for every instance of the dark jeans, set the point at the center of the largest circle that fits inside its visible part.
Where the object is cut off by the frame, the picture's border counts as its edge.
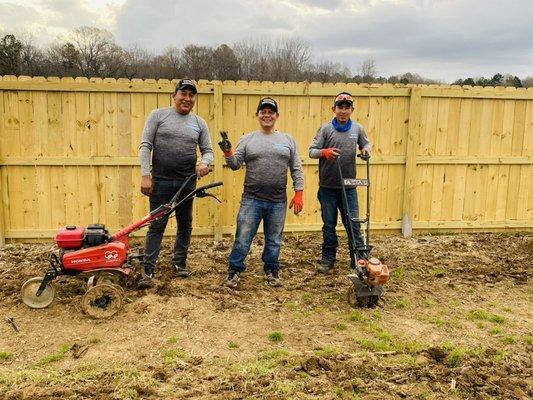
(251, 212)
(330, 202)
(162, 192)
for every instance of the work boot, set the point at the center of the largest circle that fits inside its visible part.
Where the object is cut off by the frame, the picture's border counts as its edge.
(181, 270)
(233, 279)
(273, 278)
(325, 267)
(146, 282)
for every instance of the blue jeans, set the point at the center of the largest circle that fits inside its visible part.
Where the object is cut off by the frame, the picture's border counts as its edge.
(251, 212)
(162, 192)
(330, 202)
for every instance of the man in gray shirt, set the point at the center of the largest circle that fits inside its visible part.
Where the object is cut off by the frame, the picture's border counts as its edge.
(170, 139)
(336, 142)
(267, 154)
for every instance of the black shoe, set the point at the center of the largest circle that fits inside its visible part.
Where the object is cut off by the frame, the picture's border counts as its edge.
(146, 282)
(233, 279)
(181, 270)
(273, 278)
(325, 267)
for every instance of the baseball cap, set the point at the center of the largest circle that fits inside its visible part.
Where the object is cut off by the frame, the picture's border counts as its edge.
(343, 98)
(267, 102)
(186, 83)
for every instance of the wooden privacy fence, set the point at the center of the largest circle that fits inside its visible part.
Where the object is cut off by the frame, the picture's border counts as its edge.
(444, 158)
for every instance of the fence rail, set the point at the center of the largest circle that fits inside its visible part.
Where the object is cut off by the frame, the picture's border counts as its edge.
(444, 157)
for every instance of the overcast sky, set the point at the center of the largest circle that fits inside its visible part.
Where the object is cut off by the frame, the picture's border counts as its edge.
(439, 39)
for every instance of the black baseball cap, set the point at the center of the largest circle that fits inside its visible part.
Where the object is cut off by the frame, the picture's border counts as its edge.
(267, 102)
(186, 83)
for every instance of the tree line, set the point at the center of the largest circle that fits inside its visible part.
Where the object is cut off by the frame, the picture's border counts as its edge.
(94, 52)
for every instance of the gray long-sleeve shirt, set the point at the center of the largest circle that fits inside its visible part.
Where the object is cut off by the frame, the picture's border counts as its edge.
(267, 157)
(171, 139)
(327, 136)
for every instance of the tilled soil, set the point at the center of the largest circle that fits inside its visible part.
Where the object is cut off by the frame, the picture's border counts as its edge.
(454, 323)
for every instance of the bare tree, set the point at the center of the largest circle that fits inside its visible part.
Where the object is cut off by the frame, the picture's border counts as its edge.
(367, 69)
(197, 62)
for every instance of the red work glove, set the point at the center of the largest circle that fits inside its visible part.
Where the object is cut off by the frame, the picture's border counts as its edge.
(330, 154)
(297, 201)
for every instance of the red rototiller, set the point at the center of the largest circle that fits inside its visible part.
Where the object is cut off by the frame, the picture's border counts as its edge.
(101, 259)
(370, 274)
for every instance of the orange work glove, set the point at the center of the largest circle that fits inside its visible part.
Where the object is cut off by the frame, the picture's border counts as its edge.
(297, 201)
(330, 154)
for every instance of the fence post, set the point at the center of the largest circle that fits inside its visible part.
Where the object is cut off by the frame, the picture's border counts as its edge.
(410, 160)
(218, 163)
(2, 205)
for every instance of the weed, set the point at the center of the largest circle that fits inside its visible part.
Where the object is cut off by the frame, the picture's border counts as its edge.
(169, 355)
(509, 339)
(326, 351)
(356, 315)
(455, 357)
(172, 340)
(500, 356)
(275, 337)
(57, 356)
(477, 314)
(5, 356)
(341, 327)
(481, 325)
(497, 319)
(439, 321)
(95, 340)
(429, 302)
(440, 272)
(233, 345)
(495, 331)
(398, 274)
(307, 297)
(291, 306)
(403, 303)
(528, 339)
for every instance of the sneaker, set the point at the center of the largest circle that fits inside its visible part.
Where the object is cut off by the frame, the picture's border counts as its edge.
(233, 279)
(146, 282)
(273, 278)
(181, 270)
(325, 267)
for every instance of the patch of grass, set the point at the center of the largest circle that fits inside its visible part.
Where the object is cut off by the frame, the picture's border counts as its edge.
(268, 361)
(440, 272)
(398, 274)
(356, 315)
(57, 356)
(497, 319)
(5, 356)
(95, 340)
(509, 339)
(333, 297)
(403, 303)
(170, 355)
(340, 393)
(341, 327)
(455, 357)
(291, 306)
(326, 351)
(439, 321)
(233, 345)
(528, 339)
(495, 331)
(477, 314)
(429, 302)
(500, 355)
(275, 337)
(307, 297)
(481, 325)
(172, 340)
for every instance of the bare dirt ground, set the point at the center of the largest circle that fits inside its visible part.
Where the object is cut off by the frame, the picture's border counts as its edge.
(455, 323)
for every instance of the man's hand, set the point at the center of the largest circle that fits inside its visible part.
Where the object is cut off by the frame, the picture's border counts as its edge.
(201, 170)
(297, 201)
(146, 185)
(330, 154)
(225, 144)
(365, 155)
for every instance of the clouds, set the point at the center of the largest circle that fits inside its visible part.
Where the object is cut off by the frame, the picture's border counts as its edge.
(440, 39)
